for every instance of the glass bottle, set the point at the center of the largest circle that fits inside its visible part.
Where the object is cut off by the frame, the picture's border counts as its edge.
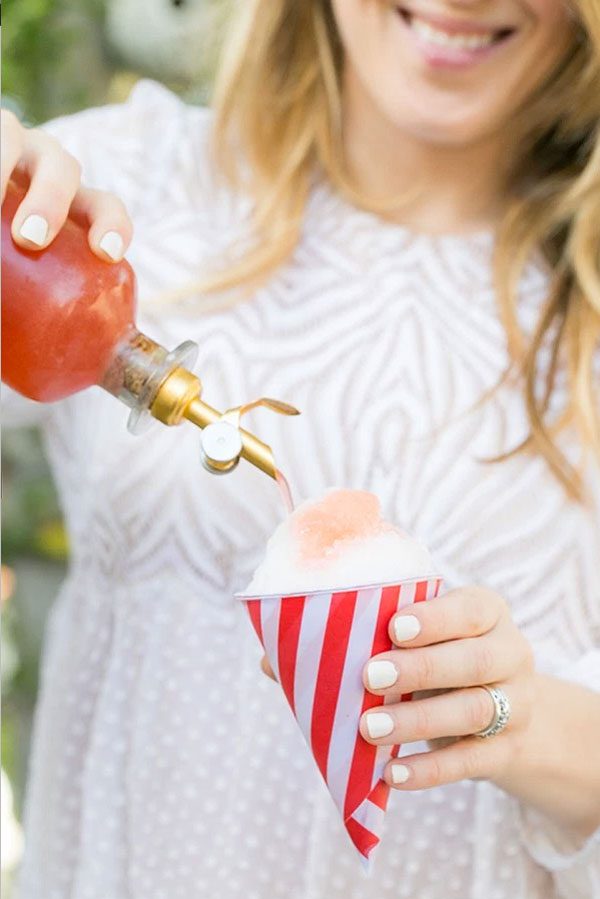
(68, 322)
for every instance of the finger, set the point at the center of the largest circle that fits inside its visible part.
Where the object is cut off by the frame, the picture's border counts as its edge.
(55, 179)
(465, 612)
(458, 663)
(110, 228)
(266, 668)
(465, 759)
(12, 147)
(456, 713)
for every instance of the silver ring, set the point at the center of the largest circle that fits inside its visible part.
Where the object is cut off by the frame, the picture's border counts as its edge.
(501, 715)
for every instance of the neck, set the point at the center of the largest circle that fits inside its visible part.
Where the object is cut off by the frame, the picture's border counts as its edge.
(441, 188)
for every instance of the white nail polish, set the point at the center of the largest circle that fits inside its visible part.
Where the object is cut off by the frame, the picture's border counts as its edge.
(379, 724)
(406, 627)
(381, 674)
(112, 245)
(400, 774)
(35, 230)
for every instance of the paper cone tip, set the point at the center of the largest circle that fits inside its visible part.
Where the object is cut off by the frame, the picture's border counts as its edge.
(317, 645)
(367, 865)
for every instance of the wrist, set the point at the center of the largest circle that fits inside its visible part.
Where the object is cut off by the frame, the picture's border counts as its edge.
(552, 768)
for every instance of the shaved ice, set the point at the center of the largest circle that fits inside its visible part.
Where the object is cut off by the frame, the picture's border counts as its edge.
(338, 541)
(334, 574)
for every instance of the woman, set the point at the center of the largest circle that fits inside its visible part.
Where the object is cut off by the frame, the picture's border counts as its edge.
(164, 762)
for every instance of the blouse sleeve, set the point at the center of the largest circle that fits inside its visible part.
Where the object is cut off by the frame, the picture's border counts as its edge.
(17, 411)
(574, 863)
(134, 149)
(130, 149)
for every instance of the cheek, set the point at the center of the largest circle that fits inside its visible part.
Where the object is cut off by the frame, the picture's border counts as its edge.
(363, 26)
(367, 30)
(554, 29)
(547, 12)
(551, 40)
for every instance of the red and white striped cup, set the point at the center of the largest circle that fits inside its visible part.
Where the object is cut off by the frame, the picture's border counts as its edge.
(317, 645)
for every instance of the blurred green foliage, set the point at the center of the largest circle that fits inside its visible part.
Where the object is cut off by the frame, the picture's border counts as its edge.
(34, 545)
(28, 43)
(30, 512)
(43, 42)
(55, 61)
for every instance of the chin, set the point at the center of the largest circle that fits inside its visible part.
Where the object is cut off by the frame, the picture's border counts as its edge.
(445, 124)
(451, 134)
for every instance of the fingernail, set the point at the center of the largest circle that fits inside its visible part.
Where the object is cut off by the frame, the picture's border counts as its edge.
(379, 724)
(381, 674)
(112, 245)
(406, 627)
(400, 774)
(35, 230)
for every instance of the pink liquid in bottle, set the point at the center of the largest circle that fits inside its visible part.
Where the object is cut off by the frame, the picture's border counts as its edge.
(64, 311)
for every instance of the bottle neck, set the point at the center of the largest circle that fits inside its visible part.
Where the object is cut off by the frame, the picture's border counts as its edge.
(137, 369)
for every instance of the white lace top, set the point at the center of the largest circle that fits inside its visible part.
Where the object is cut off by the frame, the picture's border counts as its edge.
(165, 764)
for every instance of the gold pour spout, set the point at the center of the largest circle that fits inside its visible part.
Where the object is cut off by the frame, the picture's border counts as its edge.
(155, 382)
(223, 441)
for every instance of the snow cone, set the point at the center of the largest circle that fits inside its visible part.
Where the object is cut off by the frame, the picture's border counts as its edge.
(333, 575)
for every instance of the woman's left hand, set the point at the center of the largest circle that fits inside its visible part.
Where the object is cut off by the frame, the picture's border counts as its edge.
(453, 644)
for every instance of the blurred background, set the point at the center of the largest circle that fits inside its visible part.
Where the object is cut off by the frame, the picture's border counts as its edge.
(60, 56)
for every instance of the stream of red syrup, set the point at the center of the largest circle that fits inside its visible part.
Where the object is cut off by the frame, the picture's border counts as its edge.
(285, 492)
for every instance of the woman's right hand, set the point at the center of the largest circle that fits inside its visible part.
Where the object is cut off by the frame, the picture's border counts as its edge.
(54, 190)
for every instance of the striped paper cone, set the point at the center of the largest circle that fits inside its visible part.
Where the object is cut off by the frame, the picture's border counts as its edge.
(317, 645)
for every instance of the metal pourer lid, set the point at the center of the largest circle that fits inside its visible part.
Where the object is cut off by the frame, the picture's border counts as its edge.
(221, 443)
(220, 447)
(155, 382)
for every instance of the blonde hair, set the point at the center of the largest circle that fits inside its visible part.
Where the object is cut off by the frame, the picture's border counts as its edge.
(278, 98)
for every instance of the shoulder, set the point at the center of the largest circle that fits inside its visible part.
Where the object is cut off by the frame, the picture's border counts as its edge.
(150, 110)
(148, 146)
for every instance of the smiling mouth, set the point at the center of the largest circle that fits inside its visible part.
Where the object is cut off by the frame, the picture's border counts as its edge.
(449, 35)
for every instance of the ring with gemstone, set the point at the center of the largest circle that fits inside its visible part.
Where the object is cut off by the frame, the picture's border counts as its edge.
(501, 714)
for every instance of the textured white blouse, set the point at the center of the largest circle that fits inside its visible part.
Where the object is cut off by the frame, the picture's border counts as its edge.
(165, 765)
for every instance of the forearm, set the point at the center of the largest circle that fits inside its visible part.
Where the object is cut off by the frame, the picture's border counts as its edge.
(558, 768)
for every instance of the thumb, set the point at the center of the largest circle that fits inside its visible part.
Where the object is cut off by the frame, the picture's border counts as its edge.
(266, 668)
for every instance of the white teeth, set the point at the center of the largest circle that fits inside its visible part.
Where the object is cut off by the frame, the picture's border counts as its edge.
(443, 39)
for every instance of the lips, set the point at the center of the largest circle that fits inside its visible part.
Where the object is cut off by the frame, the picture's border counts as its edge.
(452, 33)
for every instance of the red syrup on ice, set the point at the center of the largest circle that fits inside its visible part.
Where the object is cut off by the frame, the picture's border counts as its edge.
(284, 490)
